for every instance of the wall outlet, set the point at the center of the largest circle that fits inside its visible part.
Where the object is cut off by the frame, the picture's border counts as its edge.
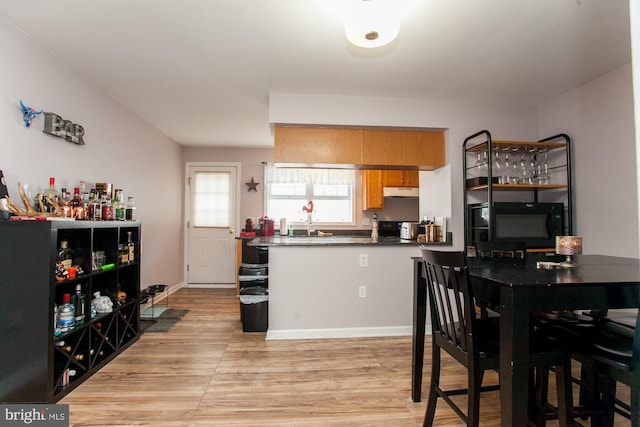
(362, 292)
(364, 260)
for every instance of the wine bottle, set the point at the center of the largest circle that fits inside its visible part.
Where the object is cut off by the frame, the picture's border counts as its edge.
(79, 305)
(66, 316)
(131, 248)
(130, 210)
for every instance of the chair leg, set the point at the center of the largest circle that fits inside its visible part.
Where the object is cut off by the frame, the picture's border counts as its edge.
(608, 388)
(565, 393)
(473, 397)
(539, 410)
(433, 384)
(635, 406)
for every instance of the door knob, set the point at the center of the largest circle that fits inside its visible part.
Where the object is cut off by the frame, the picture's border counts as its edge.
(231, 231)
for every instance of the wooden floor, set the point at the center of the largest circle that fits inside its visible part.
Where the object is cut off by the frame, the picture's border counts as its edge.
(207, 372)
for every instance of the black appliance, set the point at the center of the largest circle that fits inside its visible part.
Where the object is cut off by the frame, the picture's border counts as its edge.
(389, 228)
(535, 224)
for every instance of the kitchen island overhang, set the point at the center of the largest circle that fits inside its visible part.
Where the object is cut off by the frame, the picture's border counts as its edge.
(315, 286)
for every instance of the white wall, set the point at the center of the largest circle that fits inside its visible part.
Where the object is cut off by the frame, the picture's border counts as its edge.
(600, 121)
(314, 291)
(120, 148)
(635, 60)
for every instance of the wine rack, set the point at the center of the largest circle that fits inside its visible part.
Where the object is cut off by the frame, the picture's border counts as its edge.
(41, 367)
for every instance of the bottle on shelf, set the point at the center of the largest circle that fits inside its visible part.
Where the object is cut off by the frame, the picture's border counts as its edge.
(108, 211)
(78, 205)
(119, 205)
(66, 314)
(79, 305)
(130, 210)
(65, 204)
(131, 248)
(95, 206)
(52, 193)
(65, 256)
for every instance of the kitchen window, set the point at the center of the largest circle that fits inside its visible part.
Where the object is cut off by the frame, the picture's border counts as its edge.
(332, 192)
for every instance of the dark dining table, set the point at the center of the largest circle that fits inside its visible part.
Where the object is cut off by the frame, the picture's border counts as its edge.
(518, 288)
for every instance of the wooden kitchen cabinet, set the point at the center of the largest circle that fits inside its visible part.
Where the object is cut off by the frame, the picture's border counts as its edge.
(400, 178)
(391, 147)
(372, 198)
(359, 147)
(317, 145)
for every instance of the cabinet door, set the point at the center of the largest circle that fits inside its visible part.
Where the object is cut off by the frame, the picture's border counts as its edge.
(400, 178)
(403, 148)
(412, 179)
(372, 198)
(393, 178)
(317, 145)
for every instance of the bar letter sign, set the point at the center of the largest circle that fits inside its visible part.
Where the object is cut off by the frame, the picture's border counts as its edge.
(57, 126)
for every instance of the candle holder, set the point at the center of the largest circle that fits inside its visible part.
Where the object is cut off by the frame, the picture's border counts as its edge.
(569, 246)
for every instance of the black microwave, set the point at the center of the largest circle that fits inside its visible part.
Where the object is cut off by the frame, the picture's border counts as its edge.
(535, 224)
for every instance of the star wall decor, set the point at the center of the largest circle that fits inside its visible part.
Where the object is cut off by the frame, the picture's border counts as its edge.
(252, 185)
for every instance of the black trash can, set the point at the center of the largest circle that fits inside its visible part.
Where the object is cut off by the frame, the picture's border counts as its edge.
(254, 307)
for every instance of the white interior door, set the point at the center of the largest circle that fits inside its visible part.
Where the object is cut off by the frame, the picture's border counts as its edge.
(212, 215)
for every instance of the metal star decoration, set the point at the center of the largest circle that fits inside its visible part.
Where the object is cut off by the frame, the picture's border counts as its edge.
(252, 185)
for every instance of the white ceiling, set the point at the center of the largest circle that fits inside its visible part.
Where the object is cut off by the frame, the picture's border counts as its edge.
(201, 71)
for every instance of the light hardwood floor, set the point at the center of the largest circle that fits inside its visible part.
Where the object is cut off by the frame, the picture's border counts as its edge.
(207, 372)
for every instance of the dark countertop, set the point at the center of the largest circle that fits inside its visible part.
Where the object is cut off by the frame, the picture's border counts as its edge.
(337, 241)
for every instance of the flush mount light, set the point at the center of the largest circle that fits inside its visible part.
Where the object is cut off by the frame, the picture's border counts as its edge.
(372, 23)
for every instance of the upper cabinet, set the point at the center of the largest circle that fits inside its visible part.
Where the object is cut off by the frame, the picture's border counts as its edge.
(316, 145)
(390, 147)
(361, 148)
(400, 178)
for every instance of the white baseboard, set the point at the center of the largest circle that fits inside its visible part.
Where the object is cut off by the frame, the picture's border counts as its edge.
(300, 334)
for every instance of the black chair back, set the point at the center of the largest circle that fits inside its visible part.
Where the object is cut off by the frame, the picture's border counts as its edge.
(450, 298)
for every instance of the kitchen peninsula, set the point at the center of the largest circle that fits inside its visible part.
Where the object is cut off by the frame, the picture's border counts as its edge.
(340, 286)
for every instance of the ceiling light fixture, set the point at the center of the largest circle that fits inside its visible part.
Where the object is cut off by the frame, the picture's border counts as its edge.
(372, 23)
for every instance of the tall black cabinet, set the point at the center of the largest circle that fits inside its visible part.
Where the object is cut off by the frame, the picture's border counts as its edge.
(36, 365)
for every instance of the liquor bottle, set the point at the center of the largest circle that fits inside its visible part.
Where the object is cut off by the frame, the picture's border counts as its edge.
(65, 204)
(79, 305)
(130, 210)
(79, 211)
(51, 192)
(95, 207)
(66, 314)
(108, 213)
(119, 205)
(64, 254)
(131, 248)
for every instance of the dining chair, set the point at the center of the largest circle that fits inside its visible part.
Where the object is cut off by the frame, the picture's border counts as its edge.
(613, 350)
(608, 349)
(475, 342)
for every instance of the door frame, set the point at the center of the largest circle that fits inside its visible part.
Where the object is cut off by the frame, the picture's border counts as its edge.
(185, 213)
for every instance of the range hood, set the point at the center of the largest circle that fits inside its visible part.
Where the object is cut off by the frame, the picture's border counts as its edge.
(406, 192)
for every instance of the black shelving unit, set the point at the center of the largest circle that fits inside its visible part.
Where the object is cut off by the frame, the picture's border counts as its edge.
(486, 185)
(38, 366)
